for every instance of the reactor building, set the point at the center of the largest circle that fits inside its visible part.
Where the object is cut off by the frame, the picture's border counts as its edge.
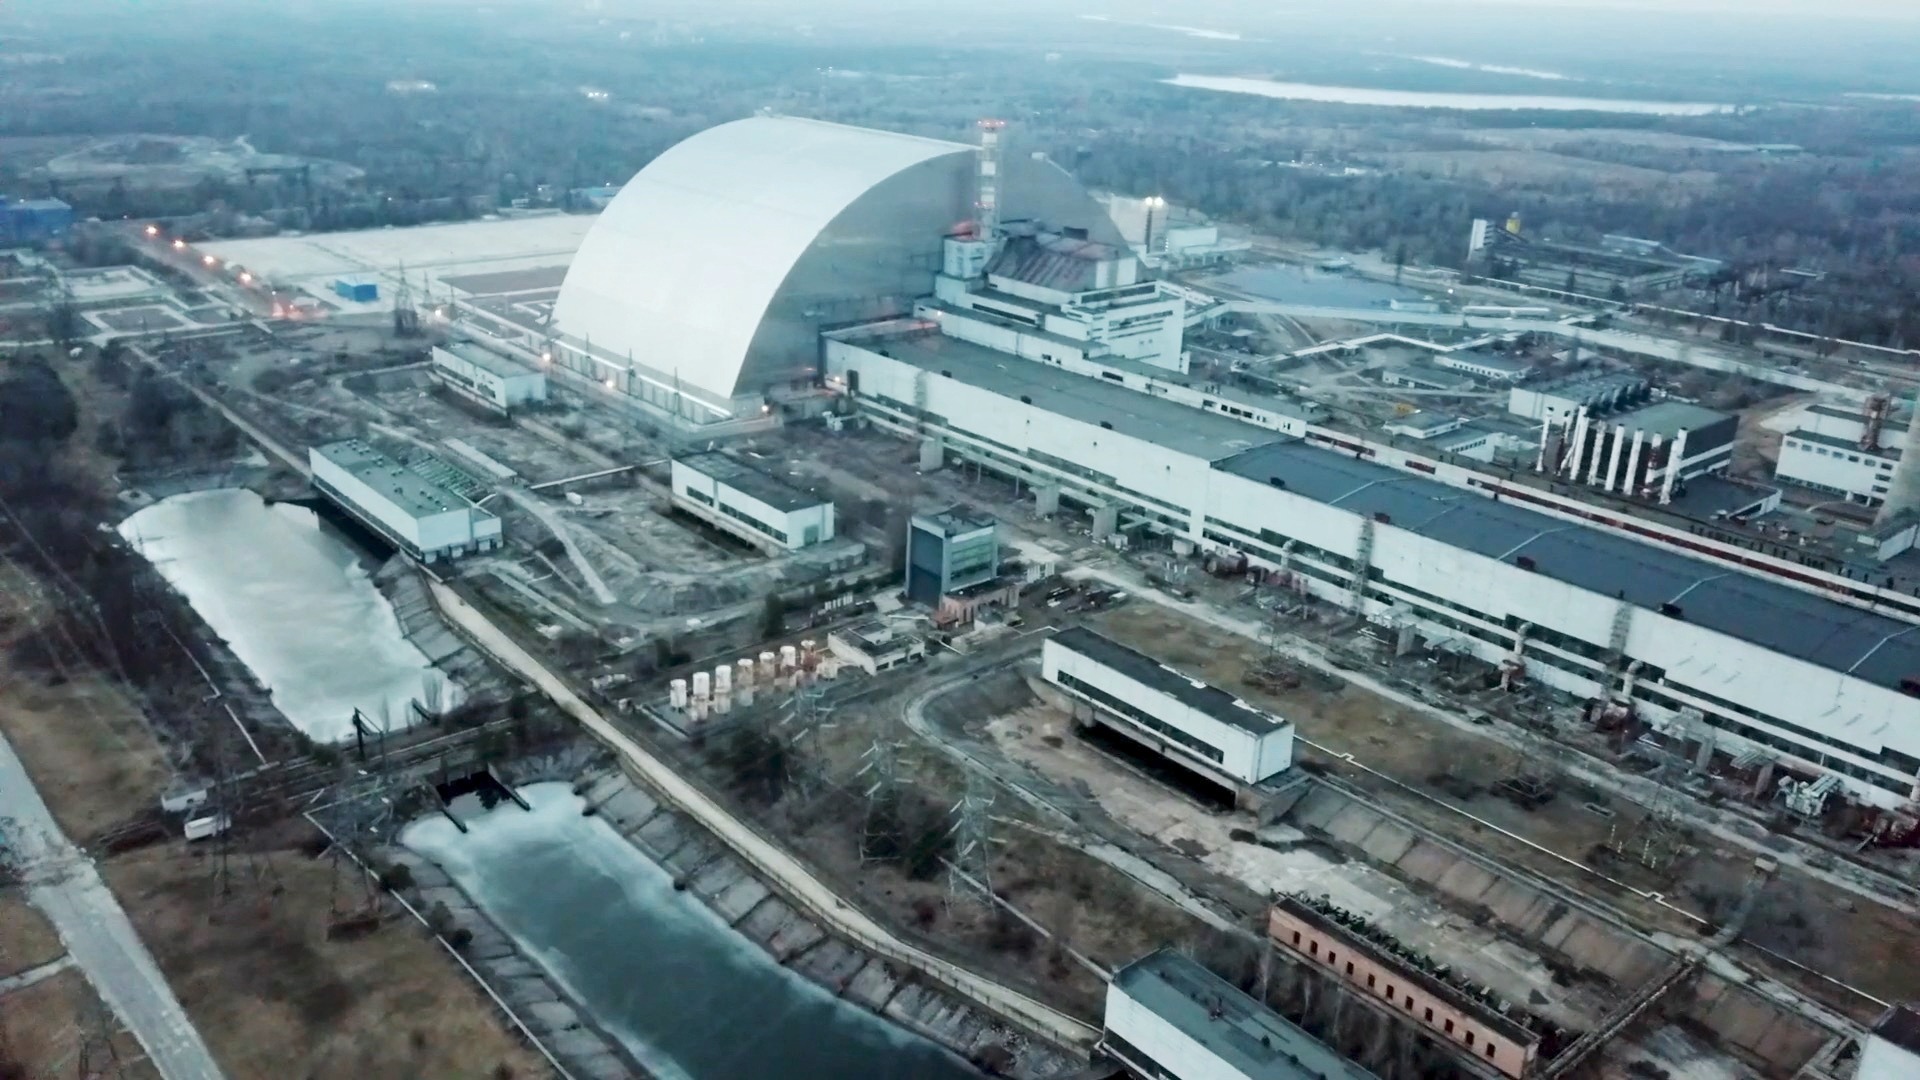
(703, 288)
(986, 306)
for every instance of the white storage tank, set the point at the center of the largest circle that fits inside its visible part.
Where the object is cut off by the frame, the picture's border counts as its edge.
(789, 657)
(744, 679)
(677, 693)
(723, 679)
(702, 685)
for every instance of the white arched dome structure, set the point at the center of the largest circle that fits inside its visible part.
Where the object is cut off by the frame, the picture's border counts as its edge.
(706, 282)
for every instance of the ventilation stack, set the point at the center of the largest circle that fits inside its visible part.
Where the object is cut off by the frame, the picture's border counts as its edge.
(987, 195)
(1903, 491)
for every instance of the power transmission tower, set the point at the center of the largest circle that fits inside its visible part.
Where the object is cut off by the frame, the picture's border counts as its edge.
(406, 317)
(880, 839)
(971, 867)
(803, 715)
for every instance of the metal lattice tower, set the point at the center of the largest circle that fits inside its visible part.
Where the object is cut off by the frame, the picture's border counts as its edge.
(971, 867)
(880, 775)
(803, 714)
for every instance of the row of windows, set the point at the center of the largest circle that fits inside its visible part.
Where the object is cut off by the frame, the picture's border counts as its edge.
(1392, 994)
(705, 499)
(1114, 704)
(1434, 609)
(1823, 451)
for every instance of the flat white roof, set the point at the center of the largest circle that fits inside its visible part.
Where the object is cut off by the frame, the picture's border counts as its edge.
(430, 253)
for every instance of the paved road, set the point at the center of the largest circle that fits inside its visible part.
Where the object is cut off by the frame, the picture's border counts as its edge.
(779, 867)
(64, 885)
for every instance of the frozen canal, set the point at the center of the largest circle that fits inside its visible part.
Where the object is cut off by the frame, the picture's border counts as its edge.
(658, 970)
(295, 602)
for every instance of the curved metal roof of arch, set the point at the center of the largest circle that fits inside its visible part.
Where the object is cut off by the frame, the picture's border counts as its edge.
(687, 258)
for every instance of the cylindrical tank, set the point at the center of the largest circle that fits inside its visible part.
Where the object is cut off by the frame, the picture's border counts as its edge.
(809, 652)
(677, 693)
(789, 657)
(702, 683)
(766, 667)
(723, 679)
(743, 678)
(829, 667)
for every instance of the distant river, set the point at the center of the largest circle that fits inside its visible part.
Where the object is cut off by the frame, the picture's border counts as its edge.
(692, 999)
(1420, 99)
(294, 601)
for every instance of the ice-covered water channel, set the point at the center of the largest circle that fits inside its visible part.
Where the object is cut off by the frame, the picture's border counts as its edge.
(295, 601)
(659, 970)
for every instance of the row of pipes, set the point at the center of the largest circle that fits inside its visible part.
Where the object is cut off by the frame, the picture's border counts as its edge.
(728, 685)
(1582, 437)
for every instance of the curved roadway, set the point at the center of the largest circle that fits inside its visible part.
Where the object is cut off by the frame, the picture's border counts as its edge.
(776, 865)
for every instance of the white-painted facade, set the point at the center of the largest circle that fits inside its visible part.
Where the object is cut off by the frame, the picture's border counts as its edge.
(1186, 732)
(1498, 369)
(1813, 717)
(753, 518)
(422, 519)
(1828, 463)
(488, 378)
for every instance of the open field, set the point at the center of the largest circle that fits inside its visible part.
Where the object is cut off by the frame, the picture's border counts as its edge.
(389, 1004)
(1803, 919)
(27, 940)
(57, 1027)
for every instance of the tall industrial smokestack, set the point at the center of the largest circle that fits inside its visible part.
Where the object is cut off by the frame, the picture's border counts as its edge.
(1903, 491)
(987, 197)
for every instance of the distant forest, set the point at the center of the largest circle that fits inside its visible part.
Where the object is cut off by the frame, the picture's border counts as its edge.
(509, 119)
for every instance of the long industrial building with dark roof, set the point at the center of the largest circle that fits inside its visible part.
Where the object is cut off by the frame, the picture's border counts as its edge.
(987, 304)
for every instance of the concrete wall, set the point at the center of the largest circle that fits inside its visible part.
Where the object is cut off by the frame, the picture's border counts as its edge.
(1556, 926)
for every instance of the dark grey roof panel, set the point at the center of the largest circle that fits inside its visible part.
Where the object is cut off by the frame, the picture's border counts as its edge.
(1769, 614)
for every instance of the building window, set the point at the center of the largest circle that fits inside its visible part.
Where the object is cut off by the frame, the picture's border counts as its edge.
(1410, 1003)
(1469, 1040)
(1296, 937)
(1314, 948)
(1489, 1049)
(1332, 957)
(1369, 982)
(1430, 1016)
(1449, 1027)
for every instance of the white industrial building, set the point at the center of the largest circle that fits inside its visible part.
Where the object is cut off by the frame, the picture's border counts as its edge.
(1836, 465)
(487, 378)
(1171, 237)
(416, 515)
(1812, 670)
(762, 510)
(1202, 727)
(1168, 1018)
(703, 287)
(1843, 451)
(1491, 367)
(1760, 656)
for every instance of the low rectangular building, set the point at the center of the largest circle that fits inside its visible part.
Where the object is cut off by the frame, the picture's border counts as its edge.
(762, 510)
(1342, 946)
(1838, 465)
(1169, 1018)
(421, 518)
(875, 647)
(1491, 367)
(487, 378)
(1201, 727)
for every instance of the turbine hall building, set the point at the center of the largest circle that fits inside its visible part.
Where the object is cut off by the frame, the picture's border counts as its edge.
(758, 256)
